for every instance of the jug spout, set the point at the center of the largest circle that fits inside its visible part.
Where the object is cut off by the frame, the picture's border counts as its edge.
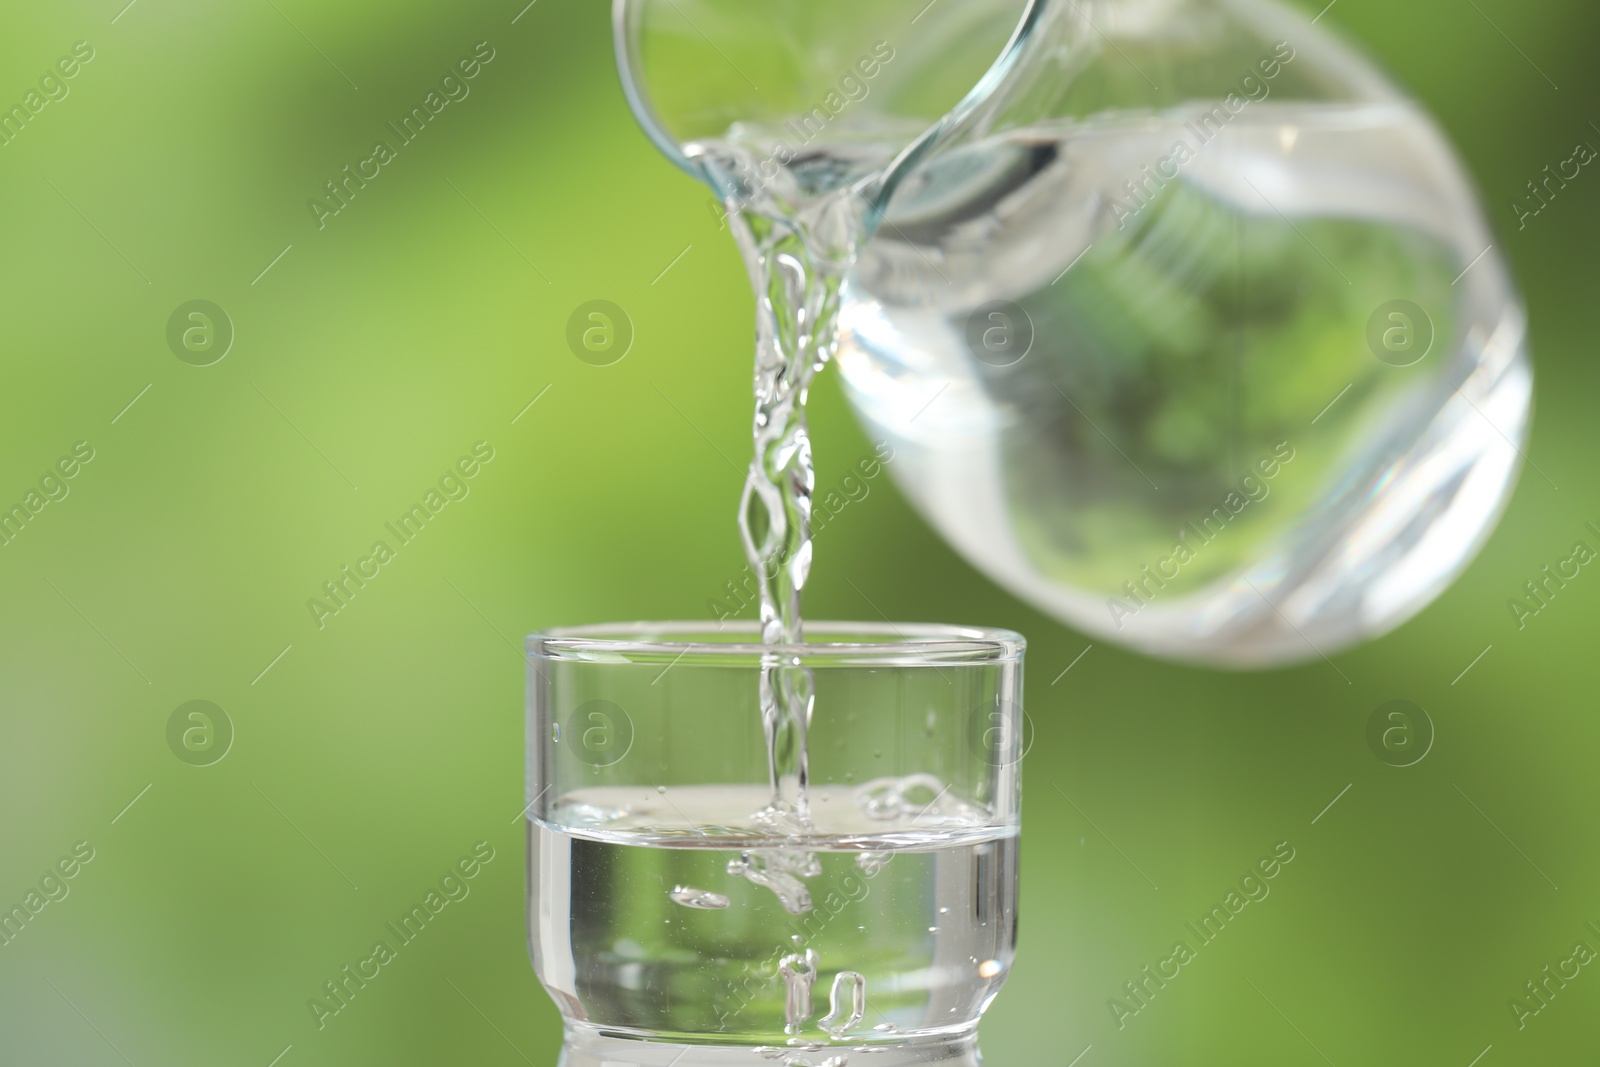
(826, 92)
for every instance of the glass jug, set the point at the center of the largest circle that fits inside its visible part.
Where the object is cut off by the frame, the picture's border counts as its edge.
(1185, 325)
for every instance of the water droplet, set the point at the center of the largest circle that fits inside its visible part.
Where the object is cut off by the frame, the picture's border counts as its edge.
(555, 732)
(704, 899)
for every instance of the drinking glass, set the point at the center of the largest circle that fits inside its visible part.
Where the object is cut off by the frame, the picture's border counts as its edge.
(674, 923)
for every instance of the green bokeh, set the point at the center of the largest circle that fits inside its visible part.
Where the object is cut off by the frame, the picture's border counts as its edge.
(380, 748)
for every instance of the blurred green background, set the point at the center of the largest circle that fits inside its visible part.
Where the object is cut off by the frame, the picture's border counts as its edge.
(372, 753)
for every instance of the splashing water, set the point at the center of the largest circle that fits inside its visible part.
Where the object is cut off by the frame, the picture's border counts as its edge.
(798, 239)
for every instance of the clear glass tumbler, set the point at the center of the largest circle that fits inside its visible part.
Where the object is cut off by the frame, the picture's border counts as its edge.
(671, 922)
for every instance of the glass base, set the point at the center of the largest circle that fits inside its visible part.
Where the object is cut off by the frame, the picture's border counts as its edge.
(585, 1047)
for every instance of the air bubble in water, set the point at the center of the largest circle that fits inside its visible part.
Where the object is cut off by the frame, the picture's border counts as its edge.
(799, 974)
(872, 862)
(781, 871)
(703, 899)
(851, 985)
(913, 796)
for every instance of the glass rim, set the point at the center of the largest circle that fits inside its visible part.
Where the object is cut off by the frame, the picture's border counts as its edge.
(703, 642)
